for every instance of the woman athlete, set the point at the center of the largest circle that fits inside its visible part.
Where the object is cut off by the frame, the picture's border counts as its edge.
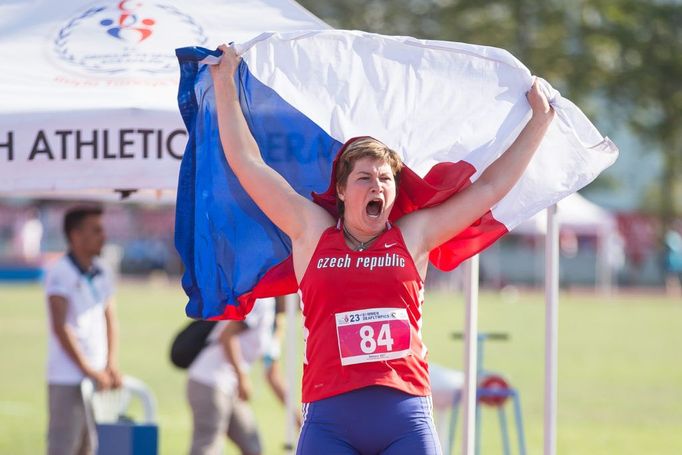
(365, 378)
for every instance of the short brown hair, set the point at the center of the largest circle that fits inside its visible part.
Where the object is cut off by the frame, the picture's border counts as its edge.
(75, 216)
(364, 147)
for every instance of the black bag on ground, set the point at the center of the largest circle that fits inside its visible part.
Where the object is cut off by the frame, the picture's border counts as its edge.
(189, 342)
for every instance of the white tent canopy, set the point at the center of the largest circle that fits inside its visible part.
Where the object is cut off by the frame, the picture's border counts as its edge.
(575, 213)
(579, 216)
(88, 89)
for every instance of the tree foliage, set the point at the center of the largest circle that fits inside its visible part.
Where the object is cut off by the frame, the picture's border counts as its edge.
(626, 52)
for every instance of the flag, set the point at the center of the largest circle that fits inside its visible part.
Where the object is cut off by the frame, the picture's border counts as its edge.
(448, 109)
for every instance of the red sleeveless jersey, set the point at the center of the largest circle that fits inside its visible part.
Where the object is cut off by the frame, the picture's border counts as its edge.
(362, 318)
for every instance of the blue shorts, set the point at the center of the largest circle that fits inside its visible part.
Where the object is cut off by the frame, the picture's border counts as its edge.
(371, 420)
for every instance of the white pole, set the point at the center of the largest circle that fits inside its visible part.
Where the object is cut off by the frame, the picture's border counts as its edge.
(291, 302)
(604, 279)
(470, 352)
(551, 328)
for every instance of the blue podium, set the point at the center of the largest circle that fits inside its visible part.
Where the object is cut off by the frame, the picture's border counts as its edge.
(127, 438)
(108, 412)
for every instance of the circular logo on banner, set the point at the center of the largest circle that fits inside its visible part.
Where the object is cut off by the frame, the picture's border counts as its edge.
(127, 37)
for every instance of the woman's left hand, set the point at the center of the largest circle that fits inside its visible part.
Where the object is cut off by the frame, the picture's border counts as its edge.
(539, 103)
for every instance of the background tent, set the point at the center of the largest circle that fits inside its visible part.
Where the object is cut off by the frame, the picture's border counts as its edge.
(580, 217)
(573, 212)
(88, 90)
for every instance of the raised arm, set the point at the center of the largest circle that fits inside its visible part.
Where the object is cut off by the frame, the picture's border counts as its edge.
(426, 229)
(290, 211)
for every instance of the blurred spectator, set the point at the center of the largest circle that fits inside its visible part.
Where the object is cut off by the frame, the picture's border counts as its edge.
(83, 335)
(271, 358)
(219, 387)
(145, 255)
(673, 263)
(29, 234)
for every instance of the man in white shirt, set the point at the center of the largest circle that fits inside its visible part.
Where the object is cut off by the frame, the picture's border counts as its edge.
(219, 388)
(83, 335)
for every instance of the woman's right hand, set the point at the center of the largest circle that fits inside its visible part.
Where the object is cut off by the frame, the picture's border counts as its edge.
(225, 69)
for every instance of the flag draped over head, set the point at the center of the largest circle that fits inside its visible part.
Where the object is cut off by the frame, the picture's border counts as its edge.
(448, 109)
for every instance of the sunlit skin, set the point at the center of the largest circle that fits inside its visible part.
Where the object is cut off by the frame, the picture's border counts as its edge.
(370, 180)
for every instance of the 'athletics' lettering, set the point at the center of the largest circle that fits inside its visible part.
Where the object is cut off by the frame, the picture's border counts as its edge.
(103, 144)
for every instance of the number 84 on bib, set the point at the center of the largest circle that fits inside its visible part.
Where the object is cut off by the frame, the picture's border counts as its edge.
(372, 335)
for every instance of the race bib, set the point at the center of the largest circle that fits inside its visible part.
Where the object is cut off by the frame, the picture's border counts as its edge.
(373, 335)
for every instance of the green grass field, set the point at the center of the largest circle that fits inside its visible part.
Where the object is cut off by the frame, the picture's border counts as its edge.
(620, 368)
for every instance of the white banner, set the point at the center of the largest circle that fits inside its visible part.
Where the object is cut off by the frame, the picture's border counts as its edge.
(88, 89)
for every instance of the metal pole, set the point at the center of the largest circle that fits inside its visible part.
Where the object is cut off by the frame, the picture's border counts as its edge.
(604, 282)
(551, 328)
(470, 348)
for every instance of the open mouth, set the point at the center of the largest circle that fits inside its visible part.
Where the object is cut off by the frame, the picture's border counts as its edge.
(374, 207)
